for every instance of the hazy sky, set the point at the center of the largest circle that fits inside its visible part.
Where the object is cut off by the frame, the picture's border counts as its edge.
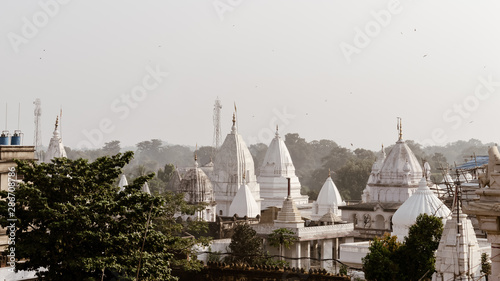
(340, 70)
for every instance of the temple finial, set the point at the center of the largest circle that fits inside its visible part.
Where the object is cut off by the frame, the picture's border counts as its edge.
(234, 119)
(277, 129)
(400, 128)
(57, 122)
(195, 154)
(329, 172)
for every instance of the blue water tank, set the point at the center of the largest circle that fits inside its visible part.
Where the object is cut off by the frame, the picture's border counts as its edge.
(4, 138)
(15, 139)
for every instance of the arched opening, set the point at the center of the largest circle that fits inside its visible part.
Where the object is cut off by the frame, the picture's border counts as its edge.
(379, 222)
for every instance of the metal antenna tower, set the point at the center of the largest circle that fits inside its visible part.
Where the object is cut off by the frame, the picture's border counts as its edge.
(217, 131)
(37, 139)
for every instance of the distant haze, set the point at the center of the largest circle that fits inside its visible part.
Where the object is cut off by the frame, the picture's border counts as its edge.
(339, 70)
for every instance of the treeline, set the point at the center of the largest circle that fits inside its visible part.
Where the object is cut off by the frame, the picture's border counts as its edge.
(349, 168)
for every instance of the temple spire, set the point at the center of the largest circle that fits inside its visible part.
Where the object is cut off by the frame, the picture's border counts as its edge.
(233, 129)
(196, 156)
(57, 122)
(329, 173)
(400, 129)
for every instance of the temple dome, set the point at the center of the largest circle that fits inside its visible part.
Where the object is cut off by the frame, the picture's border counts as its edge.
(400, 167)
(197, 186)
(328, 199)
(244, 203)
(423, 201)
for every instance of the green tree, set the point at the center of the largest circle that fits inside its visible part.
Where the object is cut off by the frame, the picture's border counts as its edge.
(245, 245)
(412, 260)
(351, 178)
(74, 222)
(381, 262)
(282, 238)
(416, 256)
(111, 148)
(183, 235)
(166, 173)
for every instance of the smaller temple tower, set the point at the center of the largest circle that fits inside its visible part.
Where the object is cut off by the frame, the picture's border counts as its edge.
(56, 147)
(244, 204)
(274, 172)
(329, 200)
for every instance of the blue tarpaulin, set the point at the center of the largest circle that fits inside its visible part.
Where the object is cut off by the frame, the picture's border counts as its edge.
(474, 163)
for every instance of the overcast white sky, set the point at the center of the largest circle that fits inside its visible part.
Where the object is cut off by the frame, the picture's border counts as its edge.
(436, 64)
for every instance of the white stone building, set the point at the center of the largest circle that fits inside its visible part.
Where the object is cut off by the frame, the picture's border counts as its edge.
(316, 242)
(276, 168)
(394, 178)
(232, 161)
(458, 256)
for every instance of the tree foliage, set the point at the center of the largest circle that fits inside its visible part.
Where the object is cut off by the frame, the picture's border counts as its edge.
(416, 256)
(282, 238)
(74, 222)
(412, 260)
(245, 245)
(381, 262)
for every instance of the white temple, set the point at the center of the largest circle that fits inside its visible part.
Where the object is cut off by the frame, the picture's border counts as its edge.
(56, 147)
(232, 162)
(329, 200)
(122, 183)
(197, 187)
(145, 188)
(396, 178)
(458, 256)
(393, 179)
(244, 203)
(423, 201)
(276, 168)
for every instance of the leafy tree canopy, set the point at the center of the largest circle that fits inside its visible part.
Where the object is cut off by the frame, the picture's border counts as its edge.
(74, 222)
(412, 260)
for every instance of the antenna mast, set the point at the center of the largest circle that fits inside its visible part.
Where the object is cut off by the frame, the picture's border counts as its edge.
(37, 140)
(217, 131)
